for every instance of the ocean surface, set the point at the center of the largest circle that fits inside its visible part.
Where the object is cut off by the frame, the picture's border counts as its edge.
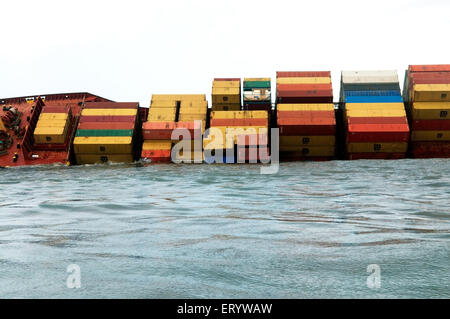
(226, 231)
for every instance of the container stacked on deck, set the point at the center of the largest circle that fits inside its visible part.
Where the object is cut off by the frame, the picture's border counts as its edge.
(168, 112)
(53, 125)
(106, 133)
(305, 115)
(226, 94)
(426, 92)
(240, 135)
(257, 94)
(374, 115)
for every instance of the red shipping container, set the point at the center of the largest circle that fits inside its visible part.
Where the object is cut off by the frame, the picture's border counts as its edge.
(305, 114)
(297, 126)
(239, 122)
(430, 125)
(388, 156)
(111, 105)
(394, 133)
(108, 118)
(429, 68)
(377, 120)
(106, 126)
(303, 74)
(304, 87)
(194, 128)
(157, 130)
(56, 109)
(157, 156)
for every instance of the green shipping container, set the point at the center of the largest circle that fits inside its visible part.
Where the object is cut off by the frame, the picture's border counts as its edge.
(104, 133)
(257, 85)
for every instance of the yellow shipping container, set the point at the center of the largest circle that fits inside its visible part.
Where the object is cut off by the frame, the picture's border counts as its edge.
(226, 84)
(305, 107)
(192, 117)
(431, 92)
(226, 95)
(83, 159)
(107, 145)
(377, 147)
(374, 106)
(108, 112)
(50, 135)
(307, 140)
(214, 142)
(430, 136)
(305, 80)
(355, 112)
(164, 103)
(309, 151)
(226, 107)
(256, 79)
(193, 110)
(156, 145)
(179, 97)
(161, 115)
(239, 115)
(431, 110)
(53, 116)
(52, 123)
(2, 126)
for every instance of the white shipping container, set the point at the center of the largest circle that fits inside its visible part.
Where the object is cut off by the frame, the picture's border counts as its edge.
(380, 76)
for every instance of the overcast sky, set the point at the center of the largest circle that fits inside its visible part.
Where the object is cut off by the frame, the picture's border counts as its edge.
(128, 50)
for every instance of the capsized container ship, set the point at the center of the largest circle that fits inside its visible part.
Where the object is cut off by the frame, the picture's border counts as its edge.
(39, 130)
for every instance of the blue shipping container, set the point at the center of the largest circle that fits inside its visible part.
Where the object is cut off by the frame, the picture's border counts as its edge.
(373, 93)
(373, 99)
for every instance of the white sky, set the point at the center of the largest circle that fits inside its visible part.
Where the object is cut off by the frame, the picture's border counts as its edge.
(128, 50)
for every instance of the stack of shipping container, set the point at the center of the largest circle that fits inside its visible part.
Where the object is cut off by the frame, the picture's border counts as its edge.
(242, 136)
(305, 115)
(106, 132)
(257, 94)
(426, 93)
(376, 125)
(226, 94)
(169, 112)
(53, 125)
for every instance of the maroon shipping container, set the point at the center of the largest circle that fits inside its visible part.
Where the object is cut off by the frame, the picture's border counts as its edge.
(106, 126)
(108, 118)
(310, 99)
(389, 133)
(390, 156)
(293, 157)
(430, 149)
(111, 105)
(305, 114)
(304, 87)
(377, 120)
(430, 125)
(429, 68)
(303, 74)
